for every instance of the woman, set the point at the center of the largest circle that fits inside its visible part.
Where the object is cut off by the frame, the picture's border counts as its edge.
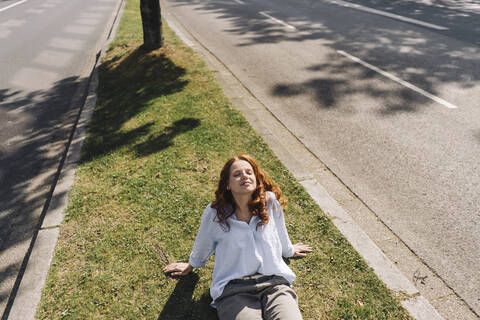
(245, 228)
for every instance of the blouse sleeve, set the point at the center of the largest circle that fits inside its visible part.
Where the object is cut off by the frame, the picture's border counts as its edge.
(204, 245)
(277, 210)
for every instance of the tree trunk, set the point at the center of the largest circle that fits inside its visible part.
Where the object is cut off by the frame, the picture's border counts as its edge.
(152, 24)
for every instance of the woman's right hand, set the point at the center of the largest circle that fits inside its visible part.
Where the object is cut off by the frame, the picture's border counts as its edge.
(178, 269)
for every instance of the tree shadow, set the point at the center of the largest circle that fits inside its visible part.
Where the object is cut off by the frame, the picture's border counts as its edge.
(127, 87)
(389, 46)
(461, 18)
(7, 93)
(35, 129)
(181, 306)
(335, 91)
(158, 142)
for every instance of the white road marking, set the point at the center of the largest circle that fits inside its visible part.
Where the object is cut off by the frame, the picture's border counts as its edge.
(387, 14)
(53, 58)
(13, 5)
(66, 43)
(88, 21)
(34, 79)
(15, 140)
(400, 81)
(91, 15)
(277, 20)
(36, 11)
(239, 2)
(79, 29)
(99, 8)
(13, 23)
(4, 33)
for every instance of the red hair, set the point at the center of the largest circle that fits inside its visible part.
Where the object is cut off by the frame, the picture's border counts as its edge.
(225, 203)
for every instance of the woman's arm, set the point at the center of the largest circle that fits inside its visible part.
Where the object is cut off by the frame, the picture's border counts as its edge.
(288, 250)
(203, 247)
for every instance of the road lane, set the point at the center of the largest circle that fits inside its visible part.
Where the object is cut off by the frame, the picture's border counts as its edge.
(460, 17)
(398, 80)
(387, 14)
(289, 27)
(46, 46)
(412, 161)
(10, 4)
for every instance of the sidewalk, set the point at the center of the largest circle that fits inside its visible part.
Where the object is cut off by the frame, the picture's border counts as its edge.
(161, 131)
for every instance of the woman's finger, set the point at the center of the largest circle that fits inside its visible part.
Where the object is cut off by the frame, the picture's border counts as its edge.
(305, 247)
(170, 268)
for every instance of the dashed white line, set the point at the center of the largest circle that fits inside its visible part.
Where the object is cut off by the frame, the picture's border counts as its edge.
(66, 43)
(277, 21)
(34, 78)
(400, 81)
(13, 23)
(239, 2)
(13, 5)
(387, 14)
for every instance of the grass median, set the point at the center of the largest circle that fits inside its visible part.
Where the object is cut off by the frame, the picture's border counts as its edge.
(161, 131)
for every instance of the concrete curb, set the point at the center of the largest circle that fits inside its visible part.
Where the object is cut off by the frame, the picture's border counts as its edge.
(298, 159)
(33, 280)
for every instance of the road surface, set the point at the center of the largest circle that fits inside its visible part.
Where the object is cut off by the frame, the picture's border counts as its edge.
(46, 47)
(386, 94)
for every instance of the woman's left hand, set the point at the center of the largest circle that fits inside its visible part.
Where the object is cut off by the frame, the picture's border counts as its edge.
(300, 249)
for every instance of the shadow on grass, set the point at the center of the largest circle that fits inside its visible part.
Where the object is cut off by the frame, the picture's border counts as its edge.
(181, 306)
(157, 143)
(127, 87)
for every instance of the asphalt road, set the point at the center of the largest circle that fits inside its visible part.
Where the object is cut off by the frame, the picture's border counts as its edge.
(389, 100)
(46, 47)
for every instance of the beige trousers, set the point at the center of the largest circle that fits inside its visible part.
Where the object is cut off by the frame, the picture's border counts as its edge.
(258, 297)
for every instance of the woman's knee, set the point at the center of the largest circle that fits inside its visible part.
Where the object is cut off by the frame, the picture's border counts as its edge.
(281, 303)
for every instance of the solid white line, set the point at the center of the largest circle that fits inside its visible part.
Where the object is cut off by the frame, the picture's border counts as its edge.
(387, 14)
(400, 81)
(13, 5)
(277, 21)
(239, 1)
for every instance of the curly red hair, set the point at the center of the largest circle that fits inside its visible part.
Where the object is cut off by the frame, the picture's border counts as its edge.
(225, 203)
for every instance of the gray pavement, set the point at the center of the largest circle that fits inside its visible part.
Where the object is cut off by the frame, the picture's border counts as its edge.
(408, 160)
(48, 51)
(295, 153)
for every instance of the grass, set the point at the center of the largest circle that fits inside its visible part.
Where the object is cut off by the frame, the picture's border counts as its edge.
(161, 131)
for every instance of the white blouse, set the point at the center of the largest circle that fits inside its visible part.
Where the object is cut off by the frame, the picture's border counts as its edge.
(244, 249)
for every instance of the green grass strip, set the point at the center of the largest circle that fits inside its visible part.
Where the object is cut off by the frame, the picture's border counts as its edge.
(161, 131)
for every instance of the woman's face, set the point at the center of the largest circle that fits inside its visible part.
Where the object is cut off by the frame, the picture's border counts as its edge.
(242, 178)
